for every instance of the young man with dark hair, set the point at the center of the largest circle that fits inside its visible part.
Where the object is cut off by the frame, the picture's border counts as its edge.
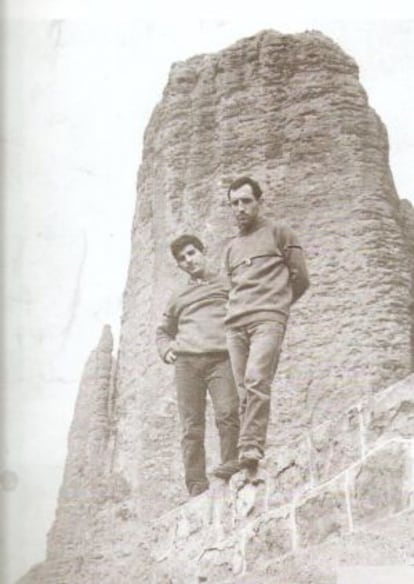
(192, 337)
(267, 272)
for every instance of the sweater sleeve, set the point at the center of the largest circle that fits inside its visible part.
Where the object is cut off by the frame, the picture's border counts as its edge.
(166, 330)
(295, 260)
(226, 267)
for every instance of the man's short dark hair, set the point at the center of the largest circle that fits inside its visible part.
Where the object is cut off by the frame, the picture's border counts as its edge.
(245, 180)
(178, 244)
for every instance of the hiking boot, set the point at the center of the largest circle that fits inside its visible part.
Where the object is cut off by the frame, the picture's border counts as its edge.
(227, 469)
(249, 457)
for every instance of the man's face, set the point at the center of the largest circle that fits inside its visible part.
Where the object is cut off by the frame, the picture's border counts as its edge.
(245, 206)
(192, 261)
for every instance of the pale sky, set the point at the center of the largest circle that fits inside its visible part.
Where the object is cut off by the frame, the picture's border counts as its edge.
(79, 87)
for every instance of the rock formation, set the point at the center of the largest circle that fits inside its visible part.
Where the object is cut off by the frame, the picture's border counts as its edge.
(290, 111)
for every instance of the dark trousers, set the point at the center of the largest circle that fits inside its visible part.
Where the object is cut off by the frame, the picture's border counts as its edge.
(254, 351)
(194, 376)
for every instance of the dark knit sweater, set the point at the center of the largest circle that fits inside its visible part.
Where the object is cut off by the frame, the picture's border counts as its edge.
(267, 273)
(194, 319)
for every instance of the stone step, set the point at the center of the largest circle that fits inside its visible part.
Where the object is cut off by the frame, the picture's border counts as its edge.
(343, 475)
(222, 535)
(331, 447)
(387, 543)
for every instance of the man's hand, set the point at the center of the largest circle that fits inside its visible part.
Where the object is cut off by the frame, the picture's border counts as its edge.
(170, 357)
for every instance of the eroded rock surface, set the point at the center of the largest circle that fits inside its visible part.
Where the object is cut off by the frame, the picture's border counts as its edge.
(288, 110)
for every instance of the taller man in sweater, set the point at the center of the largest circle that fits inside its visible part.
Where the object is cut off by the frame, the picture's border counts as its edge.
(192, 337)
(267, 273)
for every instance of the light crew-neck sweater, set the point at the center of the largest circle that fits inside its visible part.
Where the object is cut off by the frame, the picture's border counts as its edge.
(267, 273)
(193, 322)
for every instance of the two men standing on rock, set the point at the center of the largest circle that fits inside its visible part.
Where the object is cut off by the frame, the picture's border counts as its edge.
(266, 274)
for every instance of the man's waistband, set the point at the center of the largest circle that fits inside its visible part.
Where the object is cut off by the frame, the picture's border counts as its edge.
(223, 353)
(256, 316)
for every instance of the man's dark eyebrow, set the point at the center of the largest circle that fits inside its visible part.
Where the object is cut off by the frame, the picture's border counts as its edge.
(243, 199)
(180, 255)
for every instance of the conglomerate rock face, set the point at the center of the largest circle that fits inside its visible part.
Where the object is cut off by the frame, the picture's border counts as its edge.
(289, 111)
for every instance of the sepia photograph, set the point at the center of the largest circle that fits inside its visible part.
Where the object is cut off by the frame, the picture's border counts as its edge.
(207, 362)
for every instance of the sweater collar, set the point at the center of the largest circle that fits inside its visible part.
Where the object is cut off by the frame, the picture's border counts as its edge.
(207, 277)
